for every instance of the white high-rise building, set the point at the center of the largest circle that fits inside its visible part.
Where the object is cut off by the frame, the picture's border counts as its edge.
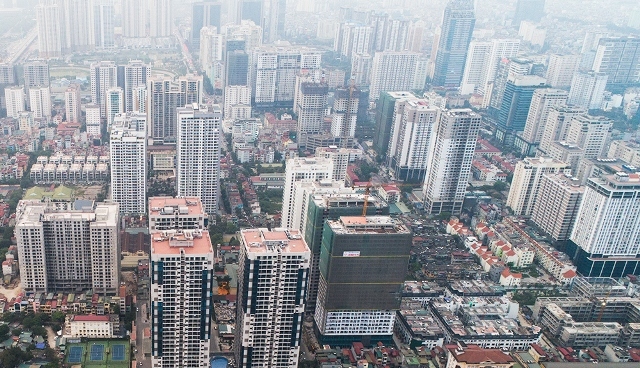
(115, 104)
(72, 104)
(14, 100)
(128, 154)
(412, 135)
(591, 133)
(104, 75)
(136, 74)
(587, 90)
(134, 18)
(310, 104)
(36, 73)
(50, 28)
(237, 102)
(361, 65)
(526, 182)
(557, 204)
(211, 54)
(353, 38)
(198, 154)
(160, 18)
(557, 126)
(341, 157)
(181, 307)
(140, 96)
(541, 103)
(619, 59)
(165, 96)
(78, 25)
(445, 184)
(40, 102)
(103, 18)
(561, 69)
(247, 31)
(345, 112)
(297, 169)
(275, 265)
(392, 71)
(482, 62)
(93, 120)
(64, 249)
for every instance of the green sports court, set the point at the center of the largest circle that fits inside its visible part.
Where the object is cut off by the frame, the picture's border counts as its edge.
(99, 353)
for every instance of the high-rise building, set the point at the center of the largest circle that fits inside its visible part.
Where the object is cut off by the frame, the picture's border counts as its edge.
(526, 182)
(354, 304)
(72, 104)
(514, 109)
(274, 69)
(40, 102)
(605, 238)
(353, 38)
(237, 68)
(274, 21)
(297, 169)
(445, 184)
(561, 70)
(456, 31)
(14, 100)
(78, 25)
(103, 18)
(198, 154)
(160, 19)
(104, 76)
(128, 155)
(557, 127)
(247, 31)
(557, 204)
(67, 249)
(590, 133)
(140, 97)
(507, 67)
(411, 138)
(134, 18)
(26, 122)
(361, 66)
(274, 264)
(204, 14)
(171, 213)
(36, 73)
(619, 59)
(341, 157)
(50, 28)
(385, 117)
(211, 45)
(541, 103)
(237, 102)
(396, 35)
(532, 10)
(93, 120)
(135, 74)
(251, 10)
(587, 90)
(182, 278)
(7, 74)
(165, 96)
(115, 104)
(345, 112)
(392, 71)
(482, 63)
(310, 104)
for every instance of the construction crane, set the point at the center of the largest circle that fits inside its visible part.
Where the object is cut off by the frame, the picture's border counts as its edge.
(603, 304)
(372, 184)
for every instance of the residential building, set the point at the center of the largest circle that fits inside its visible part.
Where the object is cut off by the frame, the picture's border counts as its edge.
(353, 38)
(66, 249)
(204, 14)
(14, 100)
(354, 304)
(341, 158)
(361, 67)
(134, 18)
(619, 59)
(211, 46)
(237, 102)
(445, 184)
(561, 70)
(40, 102)
(93, 120)
(385, 117)
(532, 10)
(269, 325)
(506, 68)
(346, 101)
(541, 103)
(36, 73)
(104, 76)
(165, 96)
(128, 153)
(136, 73)
(587, 90)
(310, 104)
(198, 154)
(482, 63)
(525, 186)
(115, 104)
(557, 126)
(457, 26)
(591, 134)
(160, 18)
(628, 151)
(471, 356)
(8, 74)
(72, 104)
(50, 29)
(557, 204)
(171, 213)
(568, 153)
(392, 71)
(297, 169)
(103, 23)
(140, 97)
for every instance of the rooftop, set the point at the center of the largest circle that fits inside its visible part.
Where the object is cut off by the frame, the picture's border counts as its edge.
(367, 224)
(174, 242)
(161, 206)
(264, 240)
(473, 354)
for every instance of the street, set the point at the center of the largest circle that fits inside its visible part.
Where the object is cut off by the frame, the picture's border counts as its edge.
(142, 322)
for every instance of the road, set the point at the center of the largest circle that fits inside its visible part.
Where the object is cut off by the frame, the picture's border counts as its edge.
(142, 322)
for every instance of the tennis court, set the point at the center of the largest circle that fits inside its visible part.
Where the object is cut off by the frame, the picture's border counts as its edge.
(75, 354)
(117, 352)
(97, 352)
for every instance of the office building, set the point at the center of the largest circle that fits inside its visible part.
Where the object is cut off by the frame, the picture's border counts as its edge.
(556, 205)
(236, 68)
(237, 102)
(160, 18)
(134, 18)
(128, 155)
(527, 177)
(514, 109)
(115, 104)
(590, 133)
(211, 45)
(541, 103)
(341, 157)
(14, 100)
(587, 90)
(274, 20)
(557, 126)
(532, 10)
(251, 10)
(103, 22)
(273, 274)
(482, 63)
(344, 115)
(64, 249)
(274, 69)
(310, 104)
(445, 184)
(604, 241)
(507, 67)
(411, 138)
(297, 169)
(50, 29)
(36, 73)
(136, 73)
(182, 278)
(198, 154)
(354, 304)
(40, 102)
(204, 14)
(561, 69)
(619, 59)
(385, 117)
(456, 30)
(104, 76)
(93, 120)
(392, 71)
(72, 104)
(165, 96)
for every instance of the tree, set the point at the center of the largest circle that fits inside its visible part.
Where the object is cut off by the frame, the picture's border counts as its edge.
(13, 357)
(500, 186)
(4, 332)
(59, 316)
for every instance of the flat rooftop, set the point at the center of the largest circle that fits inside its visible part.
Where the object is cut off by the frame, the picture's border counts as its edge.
(173, 242)
(169, 206)
(263, 240)
(367, 224)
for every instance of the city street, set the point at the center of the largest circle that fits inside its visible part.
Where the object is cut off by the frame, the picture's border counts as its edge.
(142, 322)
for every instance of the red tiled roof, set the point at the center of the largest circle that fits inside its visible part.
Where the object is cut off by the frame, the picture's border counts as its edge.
(90, 318)
(473, 354)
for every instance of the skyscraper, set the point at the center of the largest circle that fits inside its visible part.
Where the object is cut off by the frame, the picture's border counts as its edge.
(516, 101)
(135, 75)
(40, 102)
(36, 73)
(160, 19)
(353, 303)
(93, 120)
(103, 18)
(72, 104)
(273, 274)
(456, 30)
(385, 117)
(619, 59)
(211, 45)
(561, 69)
(237, 102)
(251, 10)
(115, 104)
(557, 204)
(204, 14)
(198, 154)
(353, 38)
(14, 100)
(50, 31)
(482, 63)
(345, 113)
(78, 25)
(541, 103)
(104, 76)
(445, 184)
(182, 280)
(134, 18)
(128, 154)
(591, 134)
(237, 68)
(557, 127)
(165, 95)
(310, 104)
(587, 90)
(392, 71)
(532, 10)
(66, 249)
(274, 21)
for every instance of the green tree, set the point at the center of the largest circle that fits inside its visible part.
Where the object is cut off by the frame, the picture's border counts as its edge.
(13, 357)
(4, 332)
(59, 316)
